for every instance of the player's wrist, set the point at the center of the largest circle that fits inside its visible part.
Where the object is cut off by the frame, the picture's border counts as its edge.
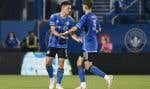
(65, 33)
(59, 35)
(79, 40)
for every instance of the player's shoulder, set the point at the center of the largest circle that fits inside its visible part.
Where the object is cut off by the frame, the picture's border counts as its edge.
(93, 15)
(54, 15)
(84, 16)
(70, 18)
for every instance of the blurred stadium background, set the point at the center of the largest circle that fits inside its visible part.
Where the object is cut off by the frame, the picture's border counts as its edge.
(128, 28)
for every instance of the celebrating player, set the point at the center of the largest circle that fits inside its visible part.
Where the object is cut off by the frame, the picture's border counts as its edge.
(89, 25)
(59, 23)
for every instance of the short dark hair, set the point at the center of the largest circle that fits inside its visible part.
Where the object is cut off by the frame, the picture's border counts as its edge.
(65, 3)
(88, 3)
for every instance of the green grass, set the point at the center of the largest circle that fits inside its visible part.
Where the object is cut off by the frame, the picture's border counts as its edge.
(70, 82)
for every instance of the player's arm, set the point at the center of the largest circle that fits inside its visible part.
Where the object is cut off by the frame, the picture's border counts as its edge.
(79, 25)
(71, 31)
(76, 38)
(53, 25)
(54, 31)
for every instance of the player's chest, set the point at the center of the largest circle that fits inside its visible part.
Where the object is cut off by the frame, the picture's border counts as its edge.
(62, 24)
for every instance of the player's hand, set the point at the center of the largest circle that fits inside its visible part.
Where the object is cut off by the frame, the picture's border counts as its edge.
(59, 35)
(63, 37)
(65, 33)
(79, 40)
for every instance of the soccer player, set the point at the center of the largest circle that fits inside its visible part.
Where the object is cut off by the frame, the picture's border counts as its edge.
(59, 23)
(89, 25)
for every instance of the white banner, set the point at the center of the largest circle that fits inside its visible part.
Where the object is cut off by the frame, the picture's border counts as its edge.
(34, 64)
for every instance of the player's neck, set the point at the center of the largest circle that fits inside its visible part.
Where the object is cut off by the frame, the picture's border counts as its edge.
(62, 14)
(88, 11)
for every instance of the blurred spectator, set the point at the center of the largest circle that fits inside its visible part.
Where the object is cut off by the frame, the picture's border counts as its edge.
(118, 10)
(11, 41)
(106, 45)
(30, 43)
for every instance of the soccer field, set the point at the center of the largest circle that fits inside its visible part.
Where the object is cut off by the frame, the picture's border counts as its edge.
(71, 82)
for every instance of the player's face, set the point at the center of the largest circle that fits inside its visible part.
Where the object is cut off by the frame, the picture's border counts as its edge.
(66, 9)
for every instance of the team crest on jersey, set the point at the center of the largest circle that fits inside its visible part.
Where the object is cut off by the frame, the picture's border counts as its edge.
(135, 40)
(65, 28)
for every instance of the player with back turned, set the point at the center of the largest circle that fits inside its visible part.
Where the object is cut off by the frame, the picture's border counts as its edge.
(89, 25)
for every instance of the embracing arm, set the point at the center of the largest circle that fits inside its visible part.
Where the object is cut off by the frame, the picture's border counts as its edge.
(73, 29)
(54, 31)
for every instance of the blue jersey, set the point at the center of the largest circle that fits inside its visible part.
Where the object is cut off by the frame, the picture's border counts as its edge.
(12, 43)
(62, 25)
(89, 24)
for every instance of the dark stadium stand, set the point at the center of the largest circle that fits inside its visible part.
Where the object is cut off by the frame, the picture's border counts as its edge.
(132, 11)
(100, 8)
(135, 11)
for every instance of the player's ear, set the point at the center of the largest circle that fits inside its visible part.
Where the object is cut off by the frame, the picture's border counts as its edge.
(86, 7)
(62, 7)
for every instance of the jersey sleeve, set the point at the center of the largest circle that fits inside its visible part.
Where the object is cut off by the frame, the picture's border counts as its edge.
(52, 21)
(80, 24)
(72, 23)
